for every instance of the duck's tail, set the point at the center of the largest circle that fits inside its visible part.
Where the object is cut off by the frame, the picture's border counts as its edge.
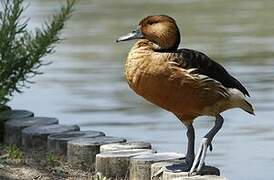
(238, 100)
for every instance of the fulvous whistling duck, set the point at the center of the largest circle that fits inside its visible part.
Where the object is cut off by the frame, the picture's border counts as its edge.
(183, 81)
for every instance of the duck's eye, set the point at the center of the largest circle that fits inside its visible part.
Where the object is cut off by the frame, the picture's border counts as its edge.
(150, 23)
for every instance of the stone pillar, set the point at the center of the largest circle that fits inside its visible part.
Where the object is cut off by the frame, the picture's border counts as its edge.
(140, 166)
(35, 137)
(115, 164)
(125, 146)
(14, 127)
(57, 143)
(11, 114)
(81, 152)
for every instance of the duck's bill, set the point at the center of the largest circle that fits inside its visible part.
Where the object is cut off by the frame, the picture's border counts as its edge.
(136, 34)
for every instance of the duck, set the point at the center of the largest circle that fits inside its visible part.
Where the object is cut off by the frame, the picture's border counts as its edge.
(185, 82)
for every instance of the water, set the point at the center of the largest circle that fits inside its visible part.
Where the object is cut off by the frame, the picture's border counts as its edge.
(85, 83)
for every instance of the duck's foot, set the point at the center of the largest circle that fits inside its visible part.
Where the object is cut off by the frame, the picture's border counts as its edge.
(200, 157)
(206, 142)
(180, 167)
(174, 167)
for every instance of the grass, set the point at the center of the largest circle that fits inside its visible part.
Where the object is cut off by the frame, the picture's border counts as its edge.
(14, 152)
(98, 176)
(51, 159)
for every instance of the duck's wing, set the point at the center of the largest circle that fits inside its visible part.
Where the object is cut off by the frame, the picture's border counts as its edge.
(190, 59)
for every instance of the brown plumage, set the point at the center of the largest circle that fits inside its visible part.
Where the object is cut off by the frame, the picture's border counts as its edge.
(183, 81)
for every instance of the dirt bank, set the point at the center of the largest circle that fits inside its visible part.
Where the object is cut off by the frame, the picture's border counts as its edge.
(15, 164)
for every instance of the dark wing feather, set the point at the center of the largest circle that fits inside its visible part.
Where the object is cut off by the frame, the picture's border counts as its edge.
(188, 58)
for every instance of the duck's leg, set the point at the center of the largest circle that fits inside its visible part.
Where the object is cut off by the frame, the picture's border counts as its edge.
(190, 145)
(206, 141)
(185, 167)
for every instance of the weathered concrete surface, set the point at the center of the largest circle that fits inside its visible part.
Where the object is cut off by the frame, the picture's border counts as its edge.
(57, 143)
(11, 114)
(81, 152)
(14, 114)
(158, 168)
(125, 146)
(115, 164)
(14, 127)
(167, 175)
(174, 170)
(35, 137)
(140, 166)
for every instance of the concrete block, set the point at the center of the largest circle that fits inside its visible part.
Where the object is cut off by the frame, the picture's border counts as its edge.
(57, 143)
(158, 168)
(81, 152)
(14, 127)
(125, 146)
(35, 137)
(172, 170)
(115, 164)
(11, 114)
(169, 175)
(140, 166)
(14, 114)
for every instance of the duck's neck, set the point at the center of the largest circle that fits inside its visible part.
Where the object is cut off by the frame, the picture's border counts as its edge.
(168, 45)
(144, 44)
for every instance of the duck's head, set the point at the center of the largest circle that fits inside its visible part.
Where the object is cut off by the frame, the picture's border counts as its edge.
(161, 30)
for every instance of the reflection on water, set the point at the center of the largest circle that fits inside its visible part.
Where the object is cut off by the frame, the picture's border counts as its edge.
(85, 83)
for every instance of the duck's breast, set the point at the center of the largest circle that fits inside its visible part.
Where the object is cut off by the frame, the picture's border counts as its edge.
(150, 76)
